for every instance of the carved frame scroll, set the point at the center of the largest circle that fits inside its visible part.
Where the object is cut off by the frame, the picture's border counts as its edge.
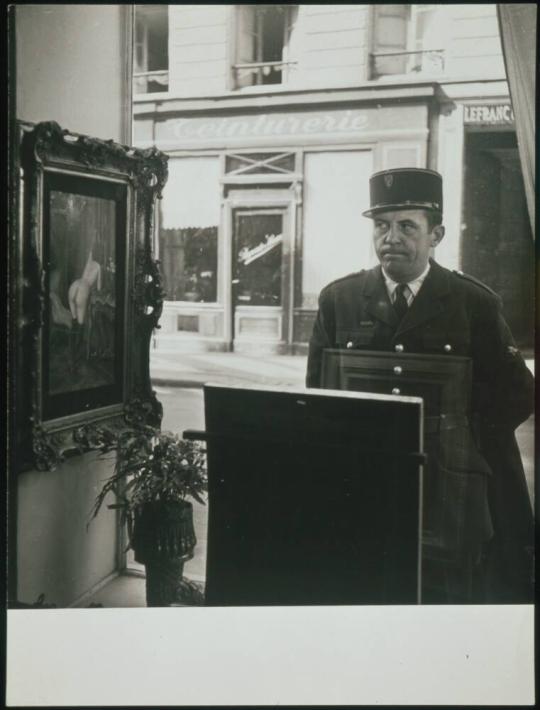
(91, 291)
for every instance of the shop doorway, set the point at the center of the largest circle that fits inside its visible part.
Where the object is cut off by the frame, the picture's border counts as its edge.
(497, 244)
(260, 279)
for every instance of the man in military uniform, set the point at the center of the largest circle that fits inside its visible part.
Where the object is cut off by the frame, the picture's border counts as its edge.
(476, 505)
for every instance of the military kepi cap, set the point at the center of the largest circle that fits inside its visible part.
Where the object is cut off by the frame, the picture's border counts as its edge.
(405, 188)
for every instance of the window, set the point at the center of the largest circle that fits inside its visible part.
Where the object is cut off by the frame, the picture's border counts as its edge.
(407, 39)
(188, 235)
(265, 43)
(258, 253)
(278, 164)
(151, 71)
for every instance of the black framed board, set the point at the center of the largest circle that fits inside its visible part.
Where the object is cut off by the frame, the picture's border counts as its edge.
(301, 508)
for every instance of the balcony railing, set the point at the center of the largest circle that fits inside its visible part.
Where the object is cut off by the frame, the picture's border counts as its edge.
(147, 82)
(261, 72)
(429, 61)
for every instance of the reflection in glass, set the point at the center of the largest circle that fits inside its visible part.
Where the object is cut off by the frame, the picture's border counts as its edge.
(82, 300)
(258, 242)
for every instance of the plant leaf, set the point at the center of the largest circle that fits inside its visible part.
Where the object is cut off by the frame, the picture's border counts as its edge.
(197, 497)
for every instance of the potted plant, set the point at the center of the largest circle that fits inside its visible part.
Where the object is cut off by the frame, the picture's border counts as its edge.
(155, 474)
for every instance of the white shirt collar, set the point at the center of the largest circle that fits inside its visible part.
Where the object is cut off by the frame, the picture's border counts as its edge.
(414, 285)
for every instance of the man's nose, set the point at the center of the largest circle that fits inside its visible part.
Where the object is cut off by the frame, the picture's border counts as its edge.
(393, 234)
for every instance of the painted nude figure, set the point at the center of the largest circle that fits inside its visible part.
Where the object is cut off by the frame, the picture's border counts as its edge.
(59, 313)
(79, 291)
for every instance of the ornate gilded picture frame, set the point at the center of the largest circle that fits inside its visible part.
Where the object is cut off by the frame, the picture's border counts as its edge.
(91, 289)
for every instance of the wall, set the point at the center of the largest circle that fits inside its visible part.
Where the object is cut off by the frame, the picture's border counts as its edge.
(330, 47)
(450, 165)
(71, 62)
(72, 66)
(198, 49)
(336, 237)
(474, 43)
(331, 44)
(58, 555)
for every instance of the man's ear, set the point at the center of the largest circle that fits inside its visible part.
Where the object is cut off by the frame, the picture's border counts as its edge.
(437, 235)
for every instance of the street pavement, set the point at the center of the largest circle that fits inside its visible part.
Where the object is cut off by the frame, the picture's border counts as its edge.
(182, 369)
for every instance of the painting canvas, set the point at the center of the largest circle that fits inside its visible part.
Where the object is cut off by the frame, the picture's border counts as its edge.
(84, 234)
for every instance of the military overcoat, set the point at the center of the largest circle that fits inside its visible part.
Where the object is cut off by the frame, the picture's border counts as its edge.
(481, 492)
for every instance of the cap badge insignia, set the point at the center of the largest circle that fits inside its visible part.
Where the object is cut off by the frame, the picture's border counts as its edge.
(388, 180)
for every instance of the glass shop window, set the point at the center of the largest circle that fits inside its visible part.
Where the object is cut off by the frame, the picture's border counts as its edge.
(264, 41)
(151, 55)
(257, 244)
(408, 39)
(188, 235)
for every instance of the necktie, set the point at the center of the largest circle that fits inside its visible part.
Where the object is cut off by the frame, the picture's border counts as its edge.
(400, 300)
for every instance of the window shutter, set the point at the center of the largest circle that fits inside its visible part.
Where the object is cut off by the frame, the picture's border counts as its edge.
(245, 43)
(390, 35)
(429, 27)
(290, 48)
(141, 46)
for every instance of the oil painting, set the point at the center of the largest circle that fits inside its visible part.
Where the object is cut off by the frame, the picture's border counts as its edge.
(83, 231)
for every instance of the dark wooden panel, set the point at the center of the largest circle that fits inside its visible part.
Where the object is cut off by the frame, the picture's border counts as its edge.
(313, 498)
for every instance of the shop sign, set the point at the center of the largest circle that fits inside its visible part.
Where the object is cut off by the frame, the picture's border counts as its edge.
(281, 128)
(266, 125)
(263, 125)
(488, 114)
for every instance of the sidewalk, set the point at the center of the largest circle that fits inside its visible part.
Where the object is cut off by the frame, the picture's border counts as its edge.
(181, 369)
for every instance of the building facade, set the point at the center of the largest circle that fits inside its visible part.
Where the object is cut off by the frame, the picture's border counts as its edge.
(274, 117)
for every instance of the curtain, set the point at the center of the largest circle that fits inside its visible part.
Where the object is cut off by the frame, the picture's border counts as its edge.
(517, 24)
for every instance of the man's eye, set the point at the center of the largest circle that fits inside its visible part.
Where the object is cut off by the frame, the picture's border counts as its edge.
(407, 228)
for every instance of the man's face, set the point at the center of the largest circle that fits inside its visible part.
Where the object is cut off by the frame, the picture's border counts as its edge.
(402, 241)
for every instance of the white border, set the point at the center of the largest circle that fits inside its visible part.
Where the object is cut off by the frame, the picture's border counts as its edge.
(478, 655)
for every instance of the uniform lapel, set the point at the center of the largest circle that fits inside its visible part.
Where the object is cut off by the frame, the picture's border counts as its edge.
(377, 302)
(428, 303)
